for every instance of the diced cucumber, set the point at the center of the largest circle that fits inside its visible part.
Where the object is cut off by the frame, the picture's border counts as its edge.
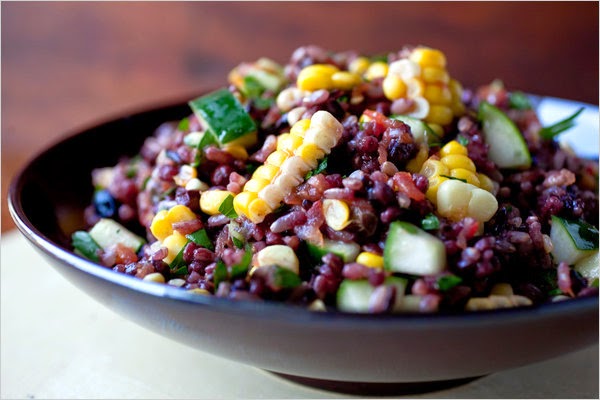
(108, 232)
(354, 295)
(589, 267)
(572, 240)
(411, 250)
(85, 245)
(223, 115)
(507, 147)
(421, 132)
(347, 251)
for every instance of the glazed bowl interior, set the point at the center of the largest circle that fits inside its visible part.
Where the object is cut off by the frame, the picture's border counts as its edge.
(47, 200)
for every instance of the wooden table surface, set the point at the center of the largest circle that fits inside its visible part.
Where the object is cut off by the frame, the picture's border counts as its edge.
(68, 65)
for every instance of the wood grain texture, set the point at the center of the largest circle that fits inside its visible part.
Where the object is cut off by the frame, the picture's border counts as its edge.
(69, 65)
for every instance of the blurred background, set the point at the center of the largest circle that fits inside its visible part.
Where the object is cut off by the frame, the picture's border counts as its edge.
(67, 65)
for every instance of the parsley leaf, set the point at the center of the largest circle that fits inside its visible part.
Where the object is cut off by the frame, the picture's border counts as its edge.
(241, 268)
(200, 237)
(462, 140)
(184, 125)
(519, 101)
(320, 168)
(226, 208)
(430, 222)
(452, 177)
(447, 282)
(219, 274)
(549, 132)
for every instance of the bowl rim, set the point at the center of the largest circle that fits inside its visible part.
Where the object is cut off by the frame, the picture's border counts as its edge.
(271, 310)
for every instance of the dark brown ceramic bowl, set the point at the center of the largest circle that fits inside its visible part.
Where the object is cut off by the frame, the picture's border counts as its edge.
(47, 200)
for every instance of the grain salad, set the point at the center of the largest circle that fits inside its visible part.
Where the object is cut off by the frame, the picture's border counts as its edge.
(359, 184)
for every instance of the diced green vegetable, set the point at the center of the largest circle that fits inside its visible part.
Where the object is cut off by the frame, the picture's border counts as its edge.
(447, 282)
(421, 132)
(589, 267)
(108, 232)
(347, 251)
(507, 147)
(85, 245)
(223, 115)
(355, 295)
(572, 240)
(549, 132)
(410, 250)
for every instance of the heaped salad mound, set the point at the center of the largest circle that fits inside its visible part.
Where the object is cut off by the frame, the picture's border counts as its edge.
(342, 182)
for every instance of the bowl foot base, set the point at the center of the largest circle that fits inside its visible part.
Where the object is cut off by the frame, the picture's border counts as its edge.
(375, 388)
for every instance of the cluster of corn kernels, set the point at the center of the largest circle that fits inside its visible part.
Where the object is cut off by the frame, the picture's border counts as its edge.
(326, 76)
(423, 78)
(269, 73)
(298, 152)
(162, 229)
(455, 186)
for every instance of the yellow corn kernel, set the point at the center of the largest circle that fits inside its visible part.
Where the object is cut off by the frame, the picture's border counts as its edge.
(161, 225)
(453, 147)
(458, 161)
(428, 57)
(485, 182)
(434, 185)
(337, 214)
(300, 127)
(437, 129)
(155, 277)
(435, 75)
(255, 184)
(266, 172)
(241, 202)
(186, 173)
(211, 200)
(370, 260)
(359, 65)
(345, 80)
(378, 69)
(180, 213)
(236, 151)
(280, 255)
(309, 152)
(174, 243)
(455, 88)
(287, 142)
(442, 115)
(464, 174)
(277, 158)
(437, 94)
(432, 167)
(415, 88)
(393, 87)
(416, 163)
(202, 292)
(257, 210)
(315, 77)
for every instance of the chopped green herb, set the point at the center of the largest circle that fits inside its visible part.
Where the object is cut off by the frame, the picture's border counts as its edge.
(462, 140)
(252, 87)
(226, 208)
(200, 237)
(555, 292)
(85, 245)
(549, 132)
(220, 273)
(594, 283)
(320, 168)
(145, 182)
(241, 268)
(178, 266)
(250, 168)
(452, 177)
(184, 125)
(237, 242)
(430, 222)
(519, 101)
(447, 282)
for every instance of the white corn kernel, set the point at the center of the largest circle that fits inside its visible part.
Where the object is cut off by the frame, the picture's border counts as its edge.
(337, 214)
(483, 205)
(272, 194)
(295, 166)
(295, 115)
(457, 200)
(420, 108)
(196, 184)
(280, 255)
(289, 98)
(405, 69)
